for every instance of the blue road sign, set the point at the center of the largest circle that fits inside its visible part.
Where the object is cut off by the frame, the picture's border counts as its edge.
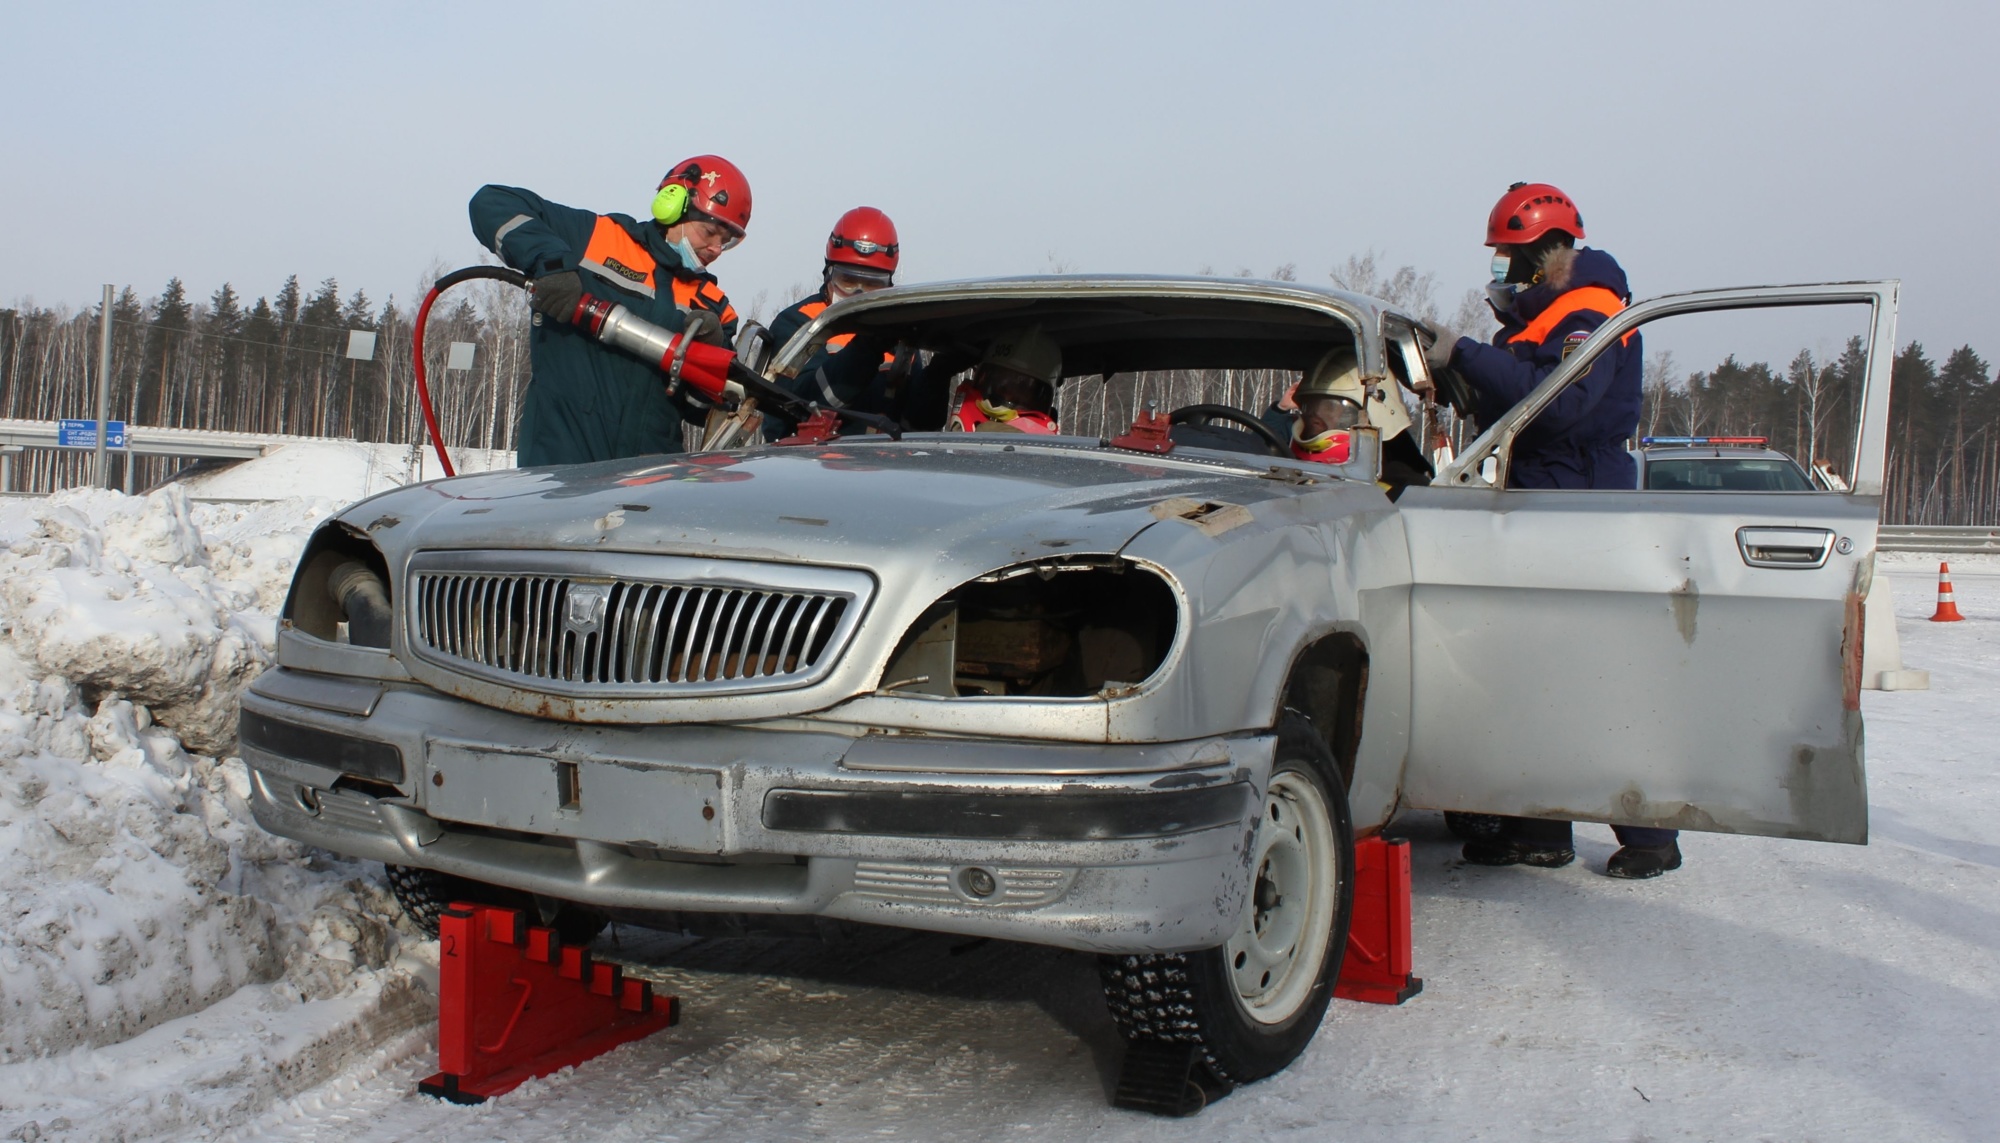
(83, 434)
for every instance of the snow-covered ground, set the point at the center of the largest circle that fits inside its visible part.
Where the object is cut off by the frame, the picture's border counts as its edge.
(167, 971)
(165, 965)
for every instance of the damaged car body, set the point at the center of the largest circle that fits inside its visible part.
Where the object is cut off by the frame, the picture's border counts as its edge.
(1050, 689)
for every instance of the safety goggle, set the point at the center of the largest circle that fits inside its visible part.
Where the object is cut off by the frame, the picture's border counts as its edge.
(1333, 412)
(852, 280)
(864, 246)
(735, 236)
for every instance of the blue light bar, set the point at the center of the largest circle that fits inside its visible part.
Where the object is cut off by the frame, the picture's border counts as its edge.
(1757, 442)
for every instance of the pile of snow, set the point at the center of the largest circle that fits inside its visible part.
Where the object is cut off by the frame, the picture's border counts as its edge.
(137, 889)
(347, 470)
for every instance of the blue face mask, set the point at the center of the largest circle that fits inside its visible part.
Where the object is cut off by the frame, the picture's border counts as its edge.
(687, 254)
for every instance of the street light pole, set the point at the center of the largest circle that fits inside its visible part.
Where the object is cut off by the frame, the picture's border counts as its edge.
(100, 474)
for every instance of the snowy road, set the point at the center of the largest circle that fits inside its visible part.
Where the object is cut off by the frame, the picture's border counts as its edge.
(1769, 990)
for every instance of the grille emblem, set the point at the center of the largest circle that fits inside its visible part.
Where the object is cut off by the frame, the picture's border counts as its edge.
(586, 608)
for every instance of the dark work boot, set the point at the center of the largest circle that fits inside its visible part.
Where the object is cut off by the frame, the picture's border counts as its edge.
(1638, 862)
(1524, 841)
(1511, 851)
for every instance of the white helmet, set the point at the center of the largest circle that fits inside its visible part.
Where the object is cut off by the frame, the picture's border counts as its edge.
(1338, 374)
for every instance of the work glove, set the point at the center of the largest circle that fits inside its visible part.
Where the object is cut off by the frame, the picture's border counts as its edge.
(557, 295)
(1439, 343)
(705, 327)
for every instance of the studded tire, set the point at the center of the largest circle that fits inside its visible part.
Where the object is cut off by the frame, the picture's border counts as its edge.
(424, 895)
(1247, 1032)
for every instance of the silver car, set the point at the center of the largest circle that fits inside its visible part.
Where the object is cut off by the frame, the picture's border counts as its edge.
(1056, 690)
(1717, 464)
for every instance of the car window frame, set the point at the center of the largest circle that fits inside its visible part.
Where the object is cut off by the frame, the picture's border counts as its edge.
(1871, 432)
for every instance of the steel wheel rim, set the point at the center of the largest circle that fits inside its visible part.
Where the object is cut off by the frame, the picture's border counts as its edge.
(1280, 946)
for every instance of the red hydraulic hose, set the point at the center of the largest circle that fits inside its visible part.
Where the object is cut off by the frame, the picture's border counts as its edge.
(497, 273)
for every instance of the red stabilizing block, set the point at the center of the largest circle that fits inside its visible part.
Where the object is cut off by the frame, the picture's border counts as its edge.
(1376, 969)
(822, 426)
(513, 1004)
(1147, 434)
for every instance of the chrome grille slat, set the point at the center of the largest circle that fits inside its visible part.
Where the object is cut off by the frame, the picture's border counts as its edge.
(655, 634)
(725, 614)
(745, 667)
(771, 625)
(820, 612)
(663, 641)
(684, 642)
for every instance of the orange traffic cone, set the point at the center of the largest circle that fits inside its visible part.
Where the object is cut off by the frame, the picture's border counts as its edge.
(1947, 611)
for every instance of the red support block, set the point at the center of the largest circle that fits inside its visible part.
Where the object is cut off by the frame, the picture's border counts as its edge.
(1147, 434)
(1376, 969)
(513, 1004)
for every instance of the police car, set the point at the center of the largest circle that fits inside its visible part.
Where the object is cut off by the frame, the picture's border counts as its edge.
(1720, 464)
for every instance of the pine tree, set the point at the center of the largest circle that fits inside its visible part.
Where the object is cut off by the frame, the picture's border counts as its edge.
(222, 330)
(1912, 435)
(320, 339)
(128, 352)
(1961, 390)
(262, 356)
(166, 342)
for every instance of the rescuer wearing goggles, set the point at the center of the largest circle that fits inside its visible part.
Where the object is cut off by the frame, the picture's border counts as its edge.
(862, 253)
(1549, 296)
(587, 401)
(1333, 400)
(1014, 387)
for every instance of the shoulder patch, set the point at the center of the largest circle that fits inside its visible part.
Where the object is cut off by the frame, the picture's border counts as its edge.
(1571, 342)
(624, 271)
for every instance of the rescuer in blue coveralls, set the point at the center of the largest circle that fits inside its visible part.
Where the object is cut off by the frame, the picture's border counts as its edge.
(862, 253)
(587, 401)
(1549, 297)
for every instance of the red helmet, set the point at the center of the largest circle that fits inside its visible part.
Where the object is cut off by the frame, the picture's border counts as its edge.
(715, 188)
(1529, 210)
(864, 236)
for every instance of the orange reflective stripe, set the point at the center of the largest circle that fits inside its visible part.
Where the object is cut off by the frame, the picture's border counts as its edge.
(728, 314)
(839, 340)
(811, 310)
(685, 292)
(619, 256)
(1594, 298)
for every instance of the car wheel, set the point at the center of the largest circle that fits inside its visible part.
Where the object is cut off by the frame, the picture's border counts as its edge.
(424, 895)
(1255, 1002)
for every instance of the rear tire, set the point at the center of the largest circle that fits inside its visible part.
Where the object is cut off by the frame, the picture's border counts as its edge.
(1255, 1002)
(424, 895)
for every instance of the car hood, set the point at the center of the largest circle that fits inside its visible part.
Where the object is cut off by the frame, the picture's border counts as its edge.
(920, 516)
(860, 504)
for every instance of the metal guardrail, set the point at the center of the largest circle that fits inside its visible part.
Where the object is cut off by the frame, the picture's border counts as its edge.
(1951, 538)
(145, 440)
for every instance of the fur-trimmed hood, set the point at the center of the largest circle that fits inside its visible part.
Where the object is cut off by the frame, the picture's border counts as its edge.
(1565, 269)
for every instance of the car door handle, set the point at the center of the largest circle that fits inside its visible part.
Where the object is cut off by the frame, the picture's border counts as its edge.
(1784, 547)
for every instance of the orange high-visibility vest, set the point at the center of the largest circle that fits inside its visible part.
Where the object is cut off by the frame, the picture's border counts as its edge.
(1595, 298)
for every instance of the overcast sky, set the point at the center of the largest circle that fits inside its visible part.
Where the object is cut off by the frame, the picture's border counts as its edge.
(1707, 144)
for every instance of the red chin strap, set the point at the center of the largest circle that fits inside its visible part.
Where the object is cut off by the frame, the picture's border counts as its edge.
(1336, 451)
(970, 416)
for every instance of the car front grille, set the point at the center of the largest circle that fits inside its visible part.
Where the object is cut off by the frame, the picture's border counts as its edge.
(634, 634)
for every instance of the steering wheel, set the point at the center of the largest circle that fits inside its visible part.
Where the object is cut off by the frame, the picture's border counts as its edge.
(1202, 414)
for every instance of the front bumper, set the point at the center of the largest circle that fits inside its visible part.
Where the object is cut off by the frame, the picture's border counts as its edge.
(1109, 848)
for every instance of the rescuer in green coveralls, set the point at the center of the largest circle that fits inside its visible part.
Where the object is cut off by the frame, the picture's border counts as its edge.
(588, 401)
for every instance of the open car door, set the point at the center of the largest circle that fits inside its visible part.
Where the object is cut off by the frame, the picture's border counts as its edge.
(1676, 659)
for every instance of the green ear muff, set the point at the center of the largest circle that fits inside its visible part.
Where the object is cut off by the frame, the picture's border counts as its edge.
(670, 205)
